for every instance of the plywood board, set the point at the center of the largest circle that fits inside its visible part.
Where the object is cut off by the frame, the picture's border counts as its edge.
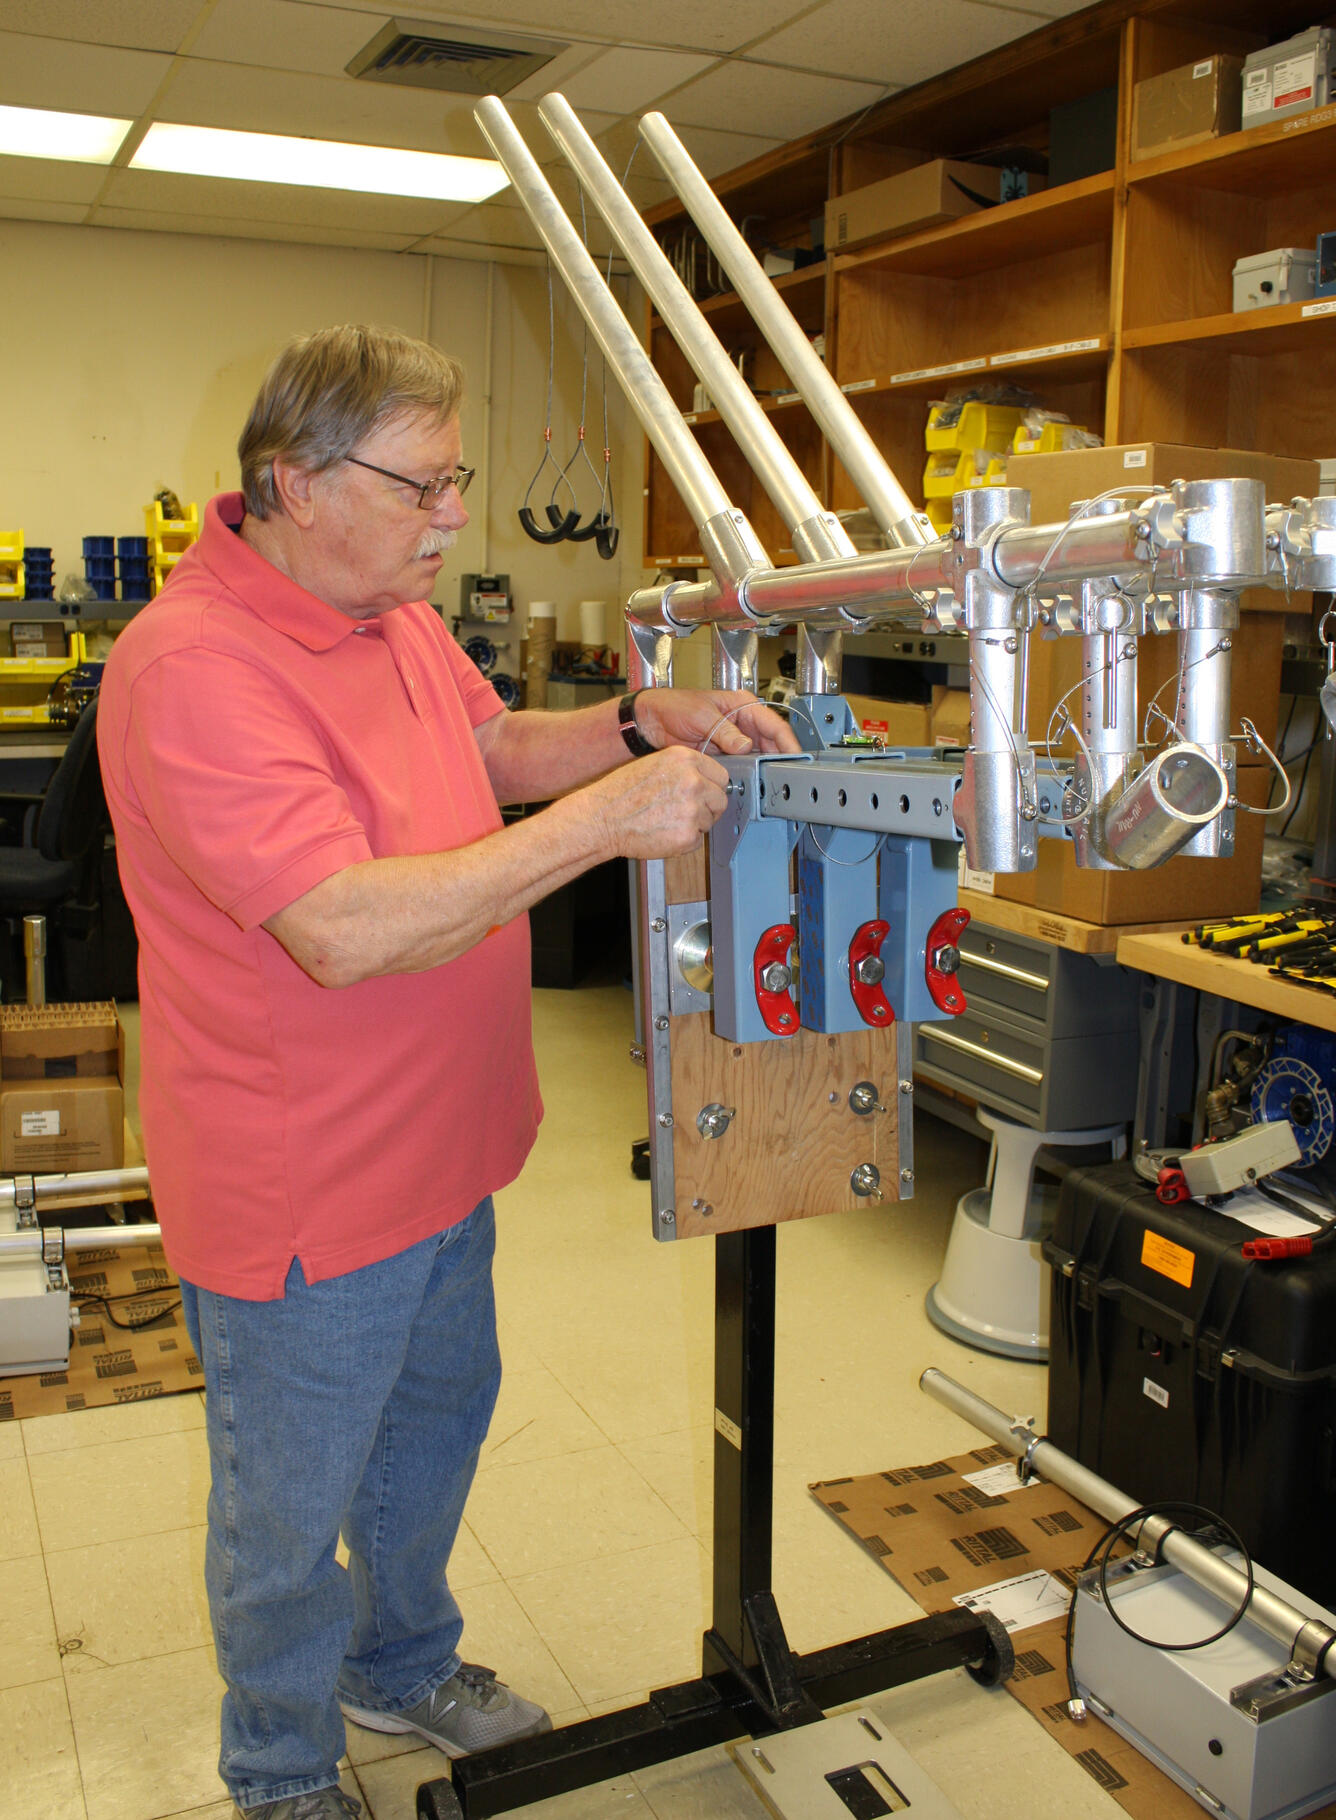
(793, 1142)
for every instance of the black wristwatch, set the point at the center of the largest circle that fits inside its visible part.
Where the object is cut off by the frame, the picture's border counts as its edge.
(636, 743)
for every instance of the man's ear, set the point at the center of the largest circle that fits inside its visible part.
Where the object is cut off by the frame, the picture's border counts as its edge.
(295, 487)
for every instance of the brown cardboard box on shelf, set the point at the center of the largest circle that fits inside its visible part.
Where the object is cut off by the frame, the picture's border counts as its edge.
(1186, 890)
(1187, 106)
(951, 719)
(36, 638)
(913, 199)
(899, 723)
(62, 1105)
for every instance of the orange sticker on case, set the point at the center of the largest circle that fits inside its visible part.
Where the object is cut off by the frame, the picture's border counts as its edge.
(1167, 1259)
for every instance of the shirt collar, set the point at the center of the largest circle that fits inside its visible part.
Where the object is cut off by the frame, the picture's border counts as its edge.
(270, 594)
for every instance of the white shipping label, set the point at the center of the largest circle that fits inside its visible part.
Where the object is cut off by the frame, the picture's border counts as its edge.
(1017, 1604)
(1201, 69)
(39, 1124)
(1257, 92)
(1295, 80)
(1156, 1392)
(1134, 458)
(998, 1481)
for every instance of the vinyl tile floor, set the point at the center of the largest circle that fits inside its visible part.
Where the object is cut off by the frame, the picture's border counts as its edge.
(584, 1565)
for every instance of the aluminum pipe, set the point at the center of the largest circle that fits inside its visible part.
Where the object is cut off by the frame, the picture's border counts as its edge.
(890, 505)
(109, 1184)
(696, 481)
(1276, 1616)
(1103, 545)
(773, 464)
(28, 1243)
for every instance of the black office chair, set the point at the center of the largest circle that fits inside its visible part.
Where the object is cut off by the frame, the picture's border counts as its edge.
(55, 869)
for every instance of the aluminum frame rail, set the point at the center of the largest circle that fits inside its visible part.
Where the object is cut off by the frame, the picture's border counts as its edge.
(1307, 1639)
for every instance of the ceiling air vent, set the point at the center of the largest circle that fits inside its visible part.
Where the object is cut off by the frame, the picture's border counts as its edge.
(451, 57)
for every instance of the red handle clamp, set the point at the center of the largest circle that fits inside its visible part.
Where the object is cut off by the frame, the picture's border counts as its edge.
(1172, 1186)
(866, 972)
(779, 1013)
(1296, 1247)
(943, 987)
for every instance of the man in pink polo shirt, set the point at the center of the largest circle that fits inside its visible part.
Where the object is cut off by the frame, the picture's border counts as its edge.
(304, 775)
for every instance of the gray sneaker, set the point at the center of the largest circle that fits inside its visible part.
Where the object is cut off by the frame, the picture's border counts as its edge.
(471, 1711)
(321, 1804)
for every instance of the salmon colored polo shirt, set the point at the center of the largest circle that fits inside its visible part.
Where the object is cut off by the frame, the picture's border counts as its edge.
(255, 741)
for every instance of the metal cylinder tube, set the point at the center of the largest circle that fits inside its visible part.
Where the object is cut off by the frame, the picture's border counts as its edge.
(108, 1184)
(28, 1243)
(890, 505)
(756, 436)
(1165, 805)
(700, 488)
(1277, 1617)
(34, 957)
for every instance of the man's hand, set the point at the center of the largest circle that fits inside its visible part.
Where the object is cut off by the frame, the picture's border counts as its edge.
(733, 721)
(660, 805)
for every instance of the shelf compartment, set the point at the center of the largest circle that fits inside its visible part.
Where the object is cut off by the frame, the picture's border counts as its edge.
(804, 291)
(1288, 328)
(1254, 163)
(1049, 222)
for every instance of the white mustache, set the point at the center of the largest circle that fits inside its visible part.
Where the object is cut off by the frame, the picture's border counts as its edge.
(435, 543)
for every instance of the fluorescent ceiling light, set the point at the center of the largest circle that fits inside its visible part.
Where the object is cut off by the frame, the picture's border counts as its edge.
(326, 164)
(37, 132)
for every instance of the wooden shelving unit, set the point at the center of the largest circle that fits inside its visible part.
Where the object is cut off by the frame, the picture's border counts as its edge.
(1109, 298)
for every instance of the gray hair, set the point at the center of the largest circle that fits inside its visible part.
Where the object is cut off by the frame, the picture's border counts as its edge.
(328, 391)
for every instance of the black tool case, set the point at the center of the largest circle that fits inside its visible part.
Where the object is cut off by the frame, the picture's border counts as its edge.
(1179, 1369)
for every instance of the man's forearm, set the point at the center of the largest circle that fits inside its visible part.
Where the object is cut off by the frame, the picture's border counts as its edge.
(534, 756)
(406, 915)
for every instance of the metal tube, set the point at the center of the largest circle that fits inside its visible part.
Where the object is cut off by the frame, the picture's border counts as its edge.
(1101, 545)
(28, 1243)
(1277, 1617)
(696, 481)
(752, 430)
(887, 500)
(108, 1183)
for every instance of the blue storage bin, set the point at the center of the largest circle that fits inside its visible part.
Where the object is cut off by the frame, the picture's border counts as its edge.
(102, 589)
(135, 549)
(99, 546)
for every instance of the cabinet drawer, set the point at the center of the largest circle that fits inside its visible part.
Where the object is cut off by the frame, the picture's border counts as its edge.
(1000, 970)
(1005, 1067)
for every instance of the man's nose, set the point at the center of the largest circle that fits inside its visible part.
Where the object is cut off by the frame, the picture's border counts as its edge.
(450, 512)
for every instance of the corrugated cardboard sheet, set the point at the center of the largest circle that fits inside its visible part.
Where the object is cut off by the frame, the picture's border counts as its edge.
(941, 1537)
(109, 1364)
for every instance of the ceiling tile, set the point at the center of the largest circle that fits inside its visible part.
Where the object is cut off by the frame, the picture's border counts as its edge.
(856, 38)
(241, 229)
(163, 192)
(146, 25)
(318, 40)
(20, 209)
(776, 103)
(80, 78)
(50, 179)
(688, 25)
(625, 81)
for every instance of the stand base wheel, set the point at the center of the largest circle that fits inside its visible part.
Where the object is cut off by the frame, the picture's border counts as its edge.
(997, 1666)
(438, 1801)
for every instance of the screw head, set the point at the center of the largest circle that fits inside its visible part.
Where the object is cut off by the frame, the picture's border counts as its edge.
(661, 1023)
(906, 1086)
(658, 925)
(666, 1120)
(871, 970)
(907, 1176)
(667, 1217)
(785, 1019)
(776, 977)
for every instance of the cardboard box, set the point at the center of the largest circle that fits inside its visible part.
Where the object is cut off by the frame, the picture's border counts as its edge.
(62, 1105)
(36, 638)
(899, 723)
(1187, 106)
(1182, 890)
(951, 719)
(918, 198)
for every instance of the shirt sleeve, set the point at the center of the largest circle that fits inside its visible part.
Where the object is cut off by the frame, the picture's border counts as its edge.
(236, 784)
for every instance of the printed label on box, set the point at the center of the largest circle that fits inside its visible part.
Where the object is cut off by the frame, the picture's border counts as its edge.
(1156, 1392)
(1294, 80)
(1201, 69)
(1167, 1259)
(1134, 458)
(39, 1124)
(1017, 1604)
(1257, 91)
(998, 1481)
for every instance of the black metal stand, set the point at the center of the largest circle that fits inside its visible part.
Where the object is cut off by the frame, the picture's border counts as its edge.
(751, 1682)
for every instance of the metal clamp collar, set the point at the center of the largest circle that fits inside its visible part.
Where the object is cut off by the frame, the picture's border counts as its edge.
(25, 1201)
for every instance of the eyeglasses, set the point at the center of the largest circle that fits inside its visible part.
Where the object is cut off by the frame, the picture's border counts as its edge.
(430, 492)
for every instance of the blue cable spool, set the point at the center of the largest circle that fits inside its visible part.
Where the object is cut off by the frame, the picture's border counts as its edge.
(507, 688)
(482, 652)
(1290, 1087)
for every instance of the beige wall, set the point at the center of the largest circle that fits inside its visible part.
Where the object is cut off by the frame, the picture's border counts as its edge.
(128, 361)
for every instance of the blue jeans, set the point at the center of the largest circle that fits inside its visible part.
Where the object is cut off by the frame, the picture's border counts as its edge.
(357, 1404)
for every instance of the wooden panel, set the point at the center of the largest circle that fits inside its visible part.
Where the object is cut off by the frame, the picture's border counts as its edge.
(1008, 235)
(794, 1142)
(896, 426)
(1181, 247)
(1167, 44)
(1170, 958)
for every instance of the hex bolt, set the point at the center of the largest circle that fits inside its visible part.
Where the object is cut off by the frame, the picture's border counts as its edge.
(871, 970)
(638, 1055)
(776, 977)
(713, 1121)
(865, 1098)
(866, 1181)
(946, 959)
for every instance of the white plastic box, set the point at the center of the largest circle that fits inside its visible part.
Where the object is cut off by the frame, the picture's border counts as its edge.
(1284, 275)
(1288, 78)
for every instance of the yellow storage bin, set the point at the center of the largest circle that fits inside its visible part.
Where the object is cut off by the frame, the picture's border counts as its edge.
(939, 515)
(11, 565)
(170, 536)
(979, 426)
(1051, 440)
(948, 472)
